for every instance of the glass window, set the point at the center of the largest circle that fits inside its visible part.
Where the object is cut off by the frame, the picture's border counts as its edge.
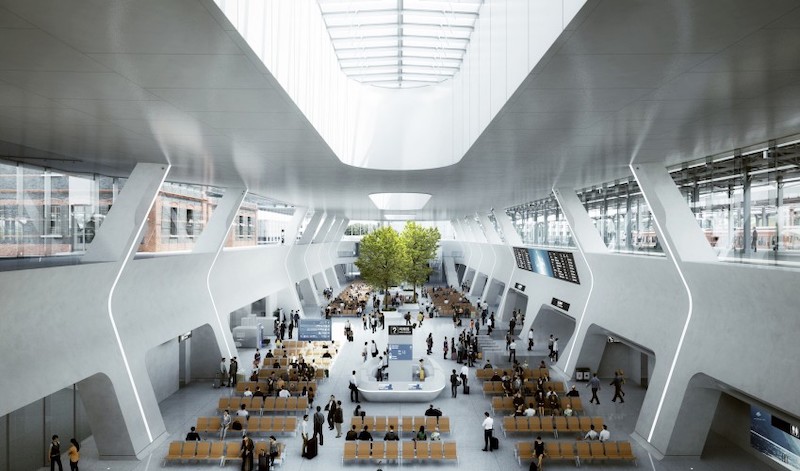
(173, 222)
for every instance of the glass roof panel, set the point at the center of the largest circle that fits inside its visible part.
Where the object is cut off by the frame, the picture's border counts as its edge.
(408, 43)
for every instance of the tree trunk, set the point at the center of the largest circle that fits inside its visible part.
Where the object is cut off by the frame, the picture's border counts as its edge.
(415, 294)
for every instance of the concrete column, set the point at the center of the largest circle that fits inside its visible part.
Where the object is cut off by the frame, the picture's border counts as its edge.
(677, 229)
(211, 241)
(491, 234)
(310, 230)
(747, 224)
(291, 229)
(677, 412)
(510, 233)
(118, 237)
(583, 231)
(135, 421)
(324, 227)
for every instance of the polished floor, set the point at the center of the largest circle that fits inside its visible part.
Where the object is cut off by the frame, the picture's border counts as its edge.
(466, 412)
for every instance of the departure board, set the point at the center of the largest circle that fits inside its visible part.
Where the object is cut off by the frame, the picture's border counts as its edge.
(559, 265)
(314, 329)
(563, 266)
(523, 258)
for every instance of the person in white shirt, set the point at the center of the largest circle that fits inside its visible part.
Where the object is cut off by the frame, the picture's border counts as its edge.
(488, 426)
(464, 376)
(530, 339)
(591, 434)
(604, 434)
(284, 392)
(248, 392)
(435, 435)
(304, 433)
(530, 411)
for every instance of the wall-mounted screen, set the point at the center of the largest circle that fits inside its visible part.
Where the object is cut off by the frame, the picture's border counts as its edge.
(775, 438)
(314, 329)
(401, 351)
(559, 265)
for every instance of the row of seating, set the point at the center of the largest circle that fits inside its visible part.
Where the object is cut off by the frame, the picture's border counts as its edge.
(284, 362)
(485, 374)
(579, 452)
(265, 424)
(380, 424)
(215, 452)
(294, 386)
(291, 374)
(554, 425)
(493, 388)
(506, 404)
(265, 404)
(315, 344)
(389, 451)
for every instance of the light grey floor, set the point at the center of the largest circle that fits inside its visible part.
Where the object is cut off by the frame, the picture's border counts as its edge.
(466, 412)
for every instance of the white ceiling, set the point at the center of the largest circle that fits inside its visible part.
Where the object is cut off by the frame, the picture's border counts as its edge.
(98, 85)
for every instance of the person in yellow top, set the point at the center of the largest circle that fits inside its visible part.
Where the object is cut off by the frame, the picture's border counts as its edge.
(421, 371)
(74, 454)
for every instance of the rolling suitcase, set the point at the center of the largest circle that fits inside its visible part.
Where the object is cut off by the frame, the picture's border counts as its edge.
(466, 390)
(263, 462)
(494, 443)
(311, 449)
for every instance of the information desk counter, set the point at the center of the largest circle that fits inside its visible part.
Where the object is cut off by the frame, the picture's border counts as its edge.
(401, 389)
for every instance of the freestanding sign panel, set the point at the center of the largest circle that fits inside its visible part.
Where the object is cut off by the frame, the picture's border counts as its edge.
(401, 353)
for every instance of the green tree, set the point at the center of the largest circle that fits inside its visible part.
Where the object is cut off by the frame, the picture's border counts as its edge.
(382, 259)
(420, 245)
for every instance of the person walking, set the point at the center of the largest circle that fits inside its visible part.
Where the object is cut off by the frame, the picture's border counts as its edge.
(446, 348)
(429, 342)
(232, 372)
(454, 384)
(338, 419)
(74, 454)
(319, 421)
(464, 376)
(353, 388)
(488, 426)
(512, 351)
(555, 350)
(54, 453)
(617, 383)
(530, 339)
(594, 383)
(304, 434)
(247, 452)
(223, 372)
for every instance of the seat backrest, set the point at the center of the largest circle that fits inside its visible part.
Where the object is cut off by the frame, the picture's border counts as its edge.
(189, 448)
(551, 448)
(583, 449)
(217, 449)
(611, 449)
(436, 450)
(392, 449)
(567, 449)
(233, 450)
(214, 423)
(278, 424)
(175, 448)
(597, 449)
(269, 403)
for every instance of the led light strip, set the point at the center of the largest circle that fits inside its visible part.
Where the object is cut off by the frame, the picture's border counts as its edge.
(688, 316)
(125, 260)
(591, 280)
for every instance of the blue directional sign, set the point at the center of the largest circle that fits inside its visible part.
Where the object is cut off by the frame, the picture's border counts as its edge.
(314, 329)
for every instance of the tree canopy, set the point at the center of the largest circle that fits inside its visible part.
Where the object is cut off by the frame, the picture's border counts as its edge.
(420, 244)
(387, 258)
(382, 258)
